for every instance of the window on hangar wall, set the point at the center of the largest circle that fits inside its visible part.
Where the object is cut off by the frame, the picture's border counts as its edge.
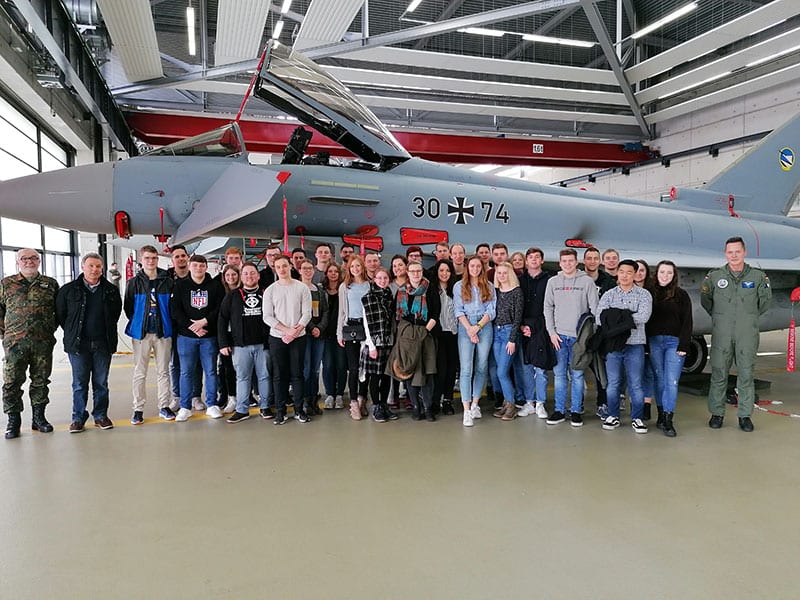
(26, 149)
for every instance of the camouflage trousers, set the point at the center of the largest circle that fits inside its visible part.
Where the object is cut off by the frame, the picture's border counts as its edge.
(21, 357)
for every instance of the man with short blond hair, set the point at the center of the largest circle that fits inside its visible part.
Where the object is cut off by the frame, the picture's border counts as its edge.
(146, 305)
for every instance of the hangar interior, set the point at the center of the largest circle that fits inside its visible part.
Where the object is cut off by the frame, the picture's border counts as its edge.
(409, 512)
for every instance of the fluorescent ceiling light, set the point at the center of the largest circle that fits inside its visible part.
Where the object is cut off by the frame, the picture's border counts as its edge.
(772, 57)
(190, 30)
(285, 6)
(532, 37)
(414, 4)
(276, 33)
(484, 168)
(482, 31)
(694, 85)
(677, 14)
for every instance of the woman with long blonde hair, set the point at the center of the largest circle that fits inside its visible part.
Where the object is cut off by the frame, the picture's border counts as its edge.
(474, 307)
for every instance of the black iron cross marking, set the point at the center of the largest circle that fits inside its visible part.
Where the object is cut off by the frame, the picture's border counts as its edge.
(461, 210)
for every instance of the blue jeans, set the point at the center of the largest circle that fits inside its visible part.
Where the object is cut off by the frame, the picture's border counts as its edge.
(564, 356)
(472, 387)
(175, 375)
(191, 351)
(94, 364)
(631, 359)
(534, 380)
(314, 349)
(245, 359)
(503, 360)
(334, 368)
(518, 367)
(667, 366)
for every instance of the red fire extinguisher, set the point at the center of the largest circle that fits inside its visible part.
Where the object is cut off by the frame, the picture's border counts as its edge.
(790, 347)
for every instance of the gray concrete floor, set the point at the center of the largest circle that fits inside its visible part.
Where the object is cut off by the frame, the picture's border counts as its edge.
(343, 509)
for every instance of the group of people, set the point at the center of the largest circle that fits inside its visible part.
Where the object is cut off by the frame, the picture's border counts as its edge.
(495, 322)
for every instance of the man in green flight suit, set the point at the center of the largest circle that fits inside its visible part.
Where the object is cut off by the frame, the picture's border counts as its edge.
(735, 296)
(27, 324)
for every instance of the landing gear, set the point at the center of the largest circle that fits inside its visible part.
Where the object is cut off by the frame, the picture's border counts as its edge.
(696, 356)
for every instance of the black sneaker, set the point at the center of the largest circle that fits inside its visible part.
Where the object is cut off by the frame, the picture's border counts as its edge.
(137, 418)
(576, 420)
(302, 417)
(715, 422)
(556, 417)
(390, 416)
(237, 417)
(447, 408)
(746, 424)
(279, 420)
(266, 413)
(252, 402)
(378, 415)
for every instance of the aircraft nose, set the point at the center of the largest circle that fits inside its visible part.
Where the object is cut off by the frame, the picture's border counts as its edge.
(74, 198)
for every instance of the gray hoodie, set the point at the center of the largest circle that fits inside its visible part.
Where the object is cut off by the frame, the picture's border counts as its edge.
(566, 299)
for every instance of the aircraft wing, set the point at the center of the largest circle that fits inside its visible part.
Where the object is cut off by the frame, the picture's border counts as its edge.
(240, 190)
(710, 261)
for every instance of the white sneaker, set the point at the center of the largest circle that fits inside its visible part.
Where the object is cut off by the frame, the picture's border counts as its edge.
(198, 404)
(527, 410)
(541, 411)
(175, 405)
(476, 412)
(339, 402)
(214, 412)
(230, 406)
(468, 422)
(328, 402)
(183, 414)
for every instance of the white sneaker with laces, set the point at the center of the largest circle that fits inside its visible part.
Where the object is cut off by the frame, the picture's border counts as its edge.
(528, 409)
(328, 402)
(541, 411)
(183, 415)
(468, 421)
(475, 411)
(230, 406)
(198, 404)
(339, 403)
(214, 412)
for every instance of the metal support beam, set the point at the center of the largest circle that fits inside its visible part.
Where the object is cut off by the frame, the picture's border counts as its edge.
(448, 12)
(413, 33)
(64, 44)
(599, 28)
(546, 28)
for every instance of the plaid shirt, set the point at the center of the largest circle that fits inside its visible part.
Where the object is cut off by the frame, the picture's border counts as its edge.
(638, 301)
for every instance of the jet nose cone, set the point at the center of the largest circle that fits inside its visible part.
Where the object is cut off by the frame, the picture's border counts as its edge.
(75, 198)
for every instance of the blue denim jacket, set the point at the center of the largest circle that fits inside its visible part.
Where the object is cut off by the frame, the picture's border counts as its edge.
(475, 309)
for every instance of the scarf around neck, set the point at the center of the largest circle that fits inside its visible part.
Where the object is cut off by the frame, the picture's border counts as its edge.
(419, 304)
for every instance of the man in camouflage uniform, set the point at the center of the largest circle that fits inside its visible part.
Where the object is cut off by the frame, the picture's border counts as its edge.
(735, 296)
(27, 324)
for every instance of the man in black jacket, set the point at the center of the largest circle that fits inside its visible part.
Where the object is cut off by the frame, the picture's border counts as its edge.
(537, 355)
(88, 309)
(242, 333)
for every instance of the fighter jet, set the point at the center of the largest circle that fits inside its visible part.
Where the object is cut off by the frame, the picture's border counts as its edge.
(386, 199)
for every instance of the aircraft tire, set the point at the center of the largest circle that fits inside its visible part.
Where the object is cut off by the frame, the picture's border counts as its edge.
(697, 356)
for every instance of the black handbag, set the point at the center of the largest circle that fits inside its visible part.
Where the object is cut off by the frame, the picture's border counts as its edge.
(354, 333)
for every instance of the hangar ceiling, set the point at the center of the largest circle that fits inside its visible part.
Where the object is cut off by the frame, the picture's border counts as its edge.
(585, 69)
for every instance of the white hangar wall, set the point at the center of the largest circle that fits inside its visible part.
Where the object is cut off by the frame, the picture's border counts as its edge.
(743, 117)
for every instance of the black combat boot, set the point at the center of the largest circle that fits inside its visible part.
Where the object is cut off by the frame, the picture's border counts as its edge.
(660, 419)
(668, 428)
(14, 424)
(39, 422)
(646, 411)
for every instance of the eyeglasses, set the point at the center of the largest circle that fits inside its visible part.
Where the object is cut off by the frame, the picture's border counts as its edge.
(28, 259)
